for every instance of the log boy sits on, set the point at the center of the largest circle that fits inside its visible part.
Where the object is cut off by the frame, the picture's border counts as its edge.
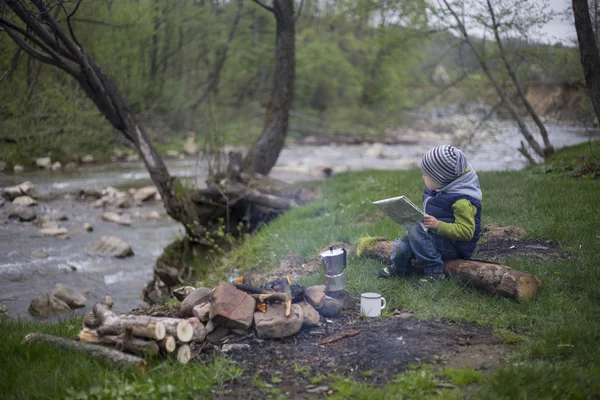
(452, 206)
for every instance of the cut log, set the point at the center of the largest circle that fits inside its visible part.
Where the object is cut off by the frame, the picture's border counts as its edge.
(90, 320)
(168, 344)
(179, 328)
(184, 354)
(199, 330)
(140, 326)
(495, 278)
(87, 335)
(110, 356)
(137, 346)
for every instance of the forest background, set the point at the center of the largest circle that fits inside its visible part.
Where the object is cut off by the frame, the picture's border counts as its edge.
(207, 67)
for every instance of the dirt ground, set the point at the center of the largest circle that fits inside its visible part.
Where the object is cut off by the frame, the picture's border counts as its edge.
(382, 348)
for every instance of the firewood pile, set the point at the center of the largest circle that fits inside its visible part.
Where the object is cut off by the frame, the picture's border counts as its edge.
(277, 309)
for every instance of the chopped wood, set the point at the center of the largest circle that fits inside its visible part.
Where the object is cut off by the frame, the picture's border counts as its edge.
(90, 320)
(184, 354)
(338, 336)
(168, 344)
(105, 354)
(495, 278)
(139, 326)
(199, 331)
(87, 335)
(137, 346)
(179, 328)
(250, 289)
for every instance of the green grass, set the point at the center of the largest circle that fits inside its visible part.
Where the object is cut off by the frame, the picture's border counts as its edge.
(556, 336)
(40, 371)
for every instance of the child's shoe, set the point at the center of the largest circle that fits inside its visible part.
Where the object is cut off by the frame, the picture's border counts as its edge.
(386, 272)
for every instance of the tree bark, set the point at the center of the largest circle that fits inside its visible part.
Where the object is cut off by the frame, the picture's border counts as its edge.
(179, 328)
(495, 278)
(588, 50)
(265, 151)
(110, 356)
(548, 149)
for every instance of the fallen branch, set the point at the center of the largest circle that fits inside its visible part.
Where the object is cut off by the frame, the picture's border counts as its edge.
(104, 354)
(338, 336)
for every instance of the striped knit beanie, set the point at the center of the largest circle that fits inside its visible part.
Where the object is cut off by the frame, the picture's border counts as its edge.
(444, 164)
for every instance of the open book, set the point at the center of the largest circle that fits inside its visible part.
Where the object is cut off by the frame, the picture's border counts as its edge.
(401, 210)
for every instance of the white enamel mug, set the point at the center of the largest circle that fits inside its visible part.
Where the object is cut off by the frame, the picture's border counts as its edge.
(371, 304)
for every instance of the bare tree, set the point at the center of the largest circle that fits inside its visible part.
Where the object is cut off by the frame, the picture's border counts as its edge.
(512, 109)
(199, 211)
(265, 151)
(590, 60)
(548, 149)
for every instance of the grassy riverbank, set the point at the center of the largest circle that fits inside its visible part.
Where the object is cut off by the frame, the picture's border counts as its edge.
(557, 350)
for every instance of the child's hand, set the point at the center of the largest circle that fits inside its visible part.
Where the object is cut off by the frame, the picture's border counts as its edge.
(430, 222)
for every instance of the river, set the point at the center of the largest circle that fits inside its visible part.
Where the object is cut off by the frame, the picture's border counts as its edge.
(23, 276)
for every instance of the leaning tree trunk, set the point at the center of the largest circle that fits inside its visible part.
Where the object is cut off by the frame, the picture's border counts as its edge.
(548, 148)
(505, 100)
(590, 60)
(265, 151)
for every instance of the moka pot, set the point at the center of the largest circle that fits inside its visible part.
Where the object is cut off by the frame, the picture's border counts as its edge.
(334, 261)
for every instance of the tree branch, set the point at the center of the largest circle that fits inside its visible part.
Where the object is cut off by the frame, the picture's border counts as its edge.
(69, 20)
(300, 7)
(263, 5)
(38, 55)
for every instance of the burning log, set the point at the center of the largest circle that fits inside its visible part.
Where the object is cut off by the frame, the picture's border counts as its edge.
(285, 298)
(105, 354)
(168, 344)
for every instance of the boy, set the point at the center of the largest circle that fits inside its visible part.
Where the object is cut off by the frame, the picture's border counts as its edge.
(452, 206)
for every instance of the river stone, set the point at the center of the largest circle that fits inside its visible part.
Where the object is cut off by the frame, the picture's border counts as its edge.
(54, 231)
(70, 166)
(2, 166)
(331, 307)
(39, 254)
(145, 193)
(88, 227)
(198, 296)
(3, 311)
(94, 192)
(56, 166)
(22, 214)
(375, 150)
(315, 295)
(112, 216)
(11, 193)
(217, 334)
(172, 154)
(43, 162)
(28, 189)
(68, 295)
(87, 159)
(46, 305)
(110, 246)
(311, 316)
(132, 157)
(273, 324)
(202, 312)
(118, 153)
(24, 201)
(17, 169)
(231, 307)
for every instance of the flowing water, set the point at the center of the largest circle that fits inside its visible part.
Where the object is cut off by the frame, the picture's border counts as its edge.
(23, 276)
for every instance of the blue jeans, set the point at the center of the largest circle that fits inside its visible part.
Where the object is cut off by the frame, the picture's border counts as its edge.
(427, 248)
